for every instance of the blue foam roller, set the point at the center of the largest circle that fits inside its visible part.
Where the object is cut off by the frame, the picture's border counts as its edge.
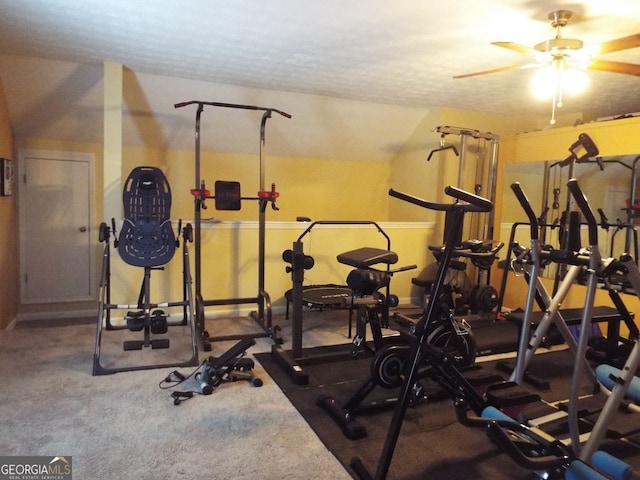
(611, 466)
(604, 372)
(578, 470)
(493, 412)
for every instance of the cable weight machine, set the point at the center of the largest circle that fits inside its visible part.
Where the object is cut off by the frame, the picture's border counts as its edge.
(489, 172)
(227, 197)
(470, 288)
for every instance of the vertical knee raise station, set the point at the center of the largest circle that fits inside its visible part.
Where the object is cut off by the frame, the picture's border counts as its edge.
(228, 198)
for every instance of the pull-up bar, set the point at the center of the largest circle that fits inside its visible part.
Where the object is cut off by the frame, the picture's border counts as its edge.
(263, 198)
(230, 105)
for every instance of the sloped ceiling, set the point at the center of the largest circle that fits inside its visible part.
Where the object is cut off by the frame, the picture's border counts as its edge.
(357, 76)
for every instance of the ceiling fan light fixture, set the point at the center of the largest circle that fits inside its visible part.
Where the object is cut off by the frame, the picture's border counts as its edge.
(561, 63)
(544, 82)
(574, 81)
(555, 80)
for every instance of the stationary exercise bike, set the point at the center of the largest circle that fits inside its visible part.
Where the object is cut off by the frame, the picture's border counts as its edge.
(388, 364)
(392, 352)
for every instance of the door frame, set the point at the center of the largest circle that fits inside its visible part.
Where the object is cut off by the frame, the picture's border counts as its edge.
(84, 157)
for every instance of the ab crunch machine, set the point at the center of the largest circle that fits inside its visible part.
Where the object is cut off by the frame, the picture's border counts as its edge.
(364, 294)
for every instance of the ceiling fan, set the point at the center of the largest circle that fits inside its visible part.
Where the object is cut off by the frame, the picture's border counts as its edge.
(569, 51)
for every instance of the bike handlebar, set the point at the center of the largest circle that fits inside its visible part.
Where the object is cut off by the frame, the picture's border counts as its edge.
(481, 204)
(474, 203)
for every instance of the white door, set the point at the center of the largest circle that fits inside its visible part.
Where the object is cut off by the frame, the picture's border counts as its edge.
(55, 227)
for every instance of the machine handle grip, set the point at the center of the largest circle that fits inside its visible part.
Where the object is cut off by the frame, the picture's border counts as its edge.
(284, 114)
(526, 205)
(481, 204)
(583, 204)
(418, 201)
(475, 203)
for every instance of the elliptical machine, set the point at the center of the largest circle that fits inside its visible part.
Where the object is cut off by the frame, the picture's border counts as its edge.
(437, 326)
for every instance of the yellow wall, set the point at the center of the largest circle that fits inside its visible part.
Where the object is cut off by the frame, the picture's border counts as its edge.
(318, 188)
(8, 228)
(322, 189)
(616, 137)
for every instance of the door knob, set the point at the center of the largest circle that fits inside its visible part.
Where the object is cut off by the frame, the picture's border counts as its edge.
(83, 229)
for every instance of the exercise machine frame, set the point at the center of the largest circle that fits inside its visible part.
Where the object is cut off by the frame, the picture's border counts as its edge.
(465, 134)
(420, 351)
(105, 307)
(294, 360)
(527, 446)
(626, 374)
(263, 315)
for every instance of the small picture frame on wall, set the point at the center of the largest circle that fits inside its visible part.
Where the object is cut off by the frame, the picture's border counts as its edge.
(6, 177)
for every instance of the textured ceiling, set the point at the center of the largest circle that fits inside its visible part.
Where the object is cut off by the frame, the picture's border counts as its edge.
(402, 53)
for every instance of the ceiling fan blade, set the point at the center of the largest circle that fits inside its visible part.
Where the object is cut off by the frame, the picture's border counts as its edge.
(497, 70)
(615, 67)
(632, 41)
(516, 47)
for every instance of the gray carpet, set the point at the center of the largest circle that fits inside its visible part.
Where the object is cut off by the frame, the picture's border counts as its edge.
(124, 426)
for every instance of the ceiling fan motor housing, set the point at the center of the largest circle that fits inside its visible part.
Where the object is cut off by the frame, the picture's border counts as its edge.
(560, 18)
(559, 46)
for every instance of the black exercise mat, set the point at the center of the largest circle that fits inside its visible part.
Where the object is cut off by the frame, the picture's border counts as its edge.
(432, 444)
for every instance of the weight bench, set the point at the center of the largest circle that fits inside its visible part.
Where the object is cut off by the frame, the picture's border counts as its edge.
(609, 348)
(365, 280)
(365, 283)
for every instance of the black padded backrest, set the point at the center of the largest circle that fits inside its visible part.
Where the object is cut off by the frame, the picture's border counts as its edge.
(146, 238)
(146, 195)
(367, 256)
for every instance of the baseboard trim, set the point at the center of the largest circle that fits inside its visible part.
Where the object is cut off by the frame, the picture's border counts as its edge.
(39, 316)
(24, 319)
(211, 313)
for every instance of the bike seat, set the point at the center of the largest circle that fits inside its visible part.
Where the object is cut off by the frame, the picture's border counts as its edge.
(366, 282)
(366, 257)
